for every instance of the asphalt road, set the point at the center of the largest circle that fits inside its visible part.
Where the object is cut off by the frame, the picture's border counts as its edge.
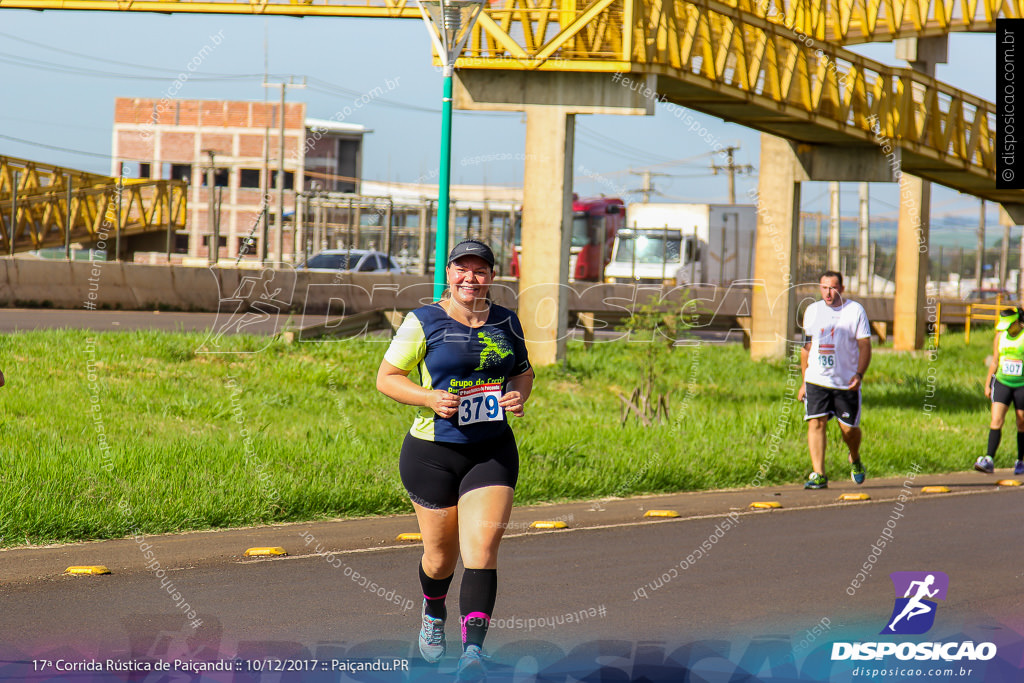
(776, 585)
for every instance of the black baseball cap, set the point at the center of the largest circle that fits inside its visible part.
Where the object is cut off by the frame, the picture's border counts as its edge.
(472, 248)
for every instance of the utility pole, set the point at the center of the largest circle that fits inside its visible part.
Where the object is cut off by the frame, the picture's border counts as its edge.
(732, 169)
(68, 186)
(213, 249)
(279, 220)
(1020, 264)
(265, 183)
(14, 213)
(864, 274)
(646, 188)
(1004, 256)
(979, 259)
(833, 227)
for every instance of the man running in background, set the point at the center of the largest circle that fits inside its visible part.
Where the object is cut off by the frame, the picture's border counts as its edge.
(833, 361)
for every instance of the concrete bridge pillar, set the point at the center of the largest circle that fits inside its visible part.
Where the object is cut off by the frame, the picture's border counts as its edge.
(551, 101)
(547, 232)
(910, 319)
(773, 310)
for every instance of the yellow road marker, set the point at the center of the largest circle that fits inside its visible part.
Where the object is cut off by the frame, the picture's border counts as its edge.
(265, 552)
(95, 569)
(548, 525)
(1008, 482)
(661, 513)
(413, 536)
(767, 505)
(934, 489)
(855, 496)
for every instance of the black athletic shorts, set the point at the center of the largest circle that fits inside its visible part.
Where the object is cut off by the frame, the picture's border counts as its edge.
(825, 402)
(1007, 395)
(437, 473)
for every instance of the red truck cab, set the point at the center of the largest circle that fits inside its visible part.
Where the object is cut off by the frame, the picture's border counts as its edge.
(595, 221)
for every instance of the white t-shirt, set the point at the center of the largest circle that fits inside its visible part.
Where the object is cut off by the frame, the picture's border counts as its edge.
(834, 333)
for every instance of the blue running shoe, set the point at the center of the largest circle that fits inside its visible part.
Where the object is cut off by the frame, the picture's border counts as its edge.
(857, 472)
(471, 665)
(1019, 467)
(985, 464)
(816, 481)
(432, 643)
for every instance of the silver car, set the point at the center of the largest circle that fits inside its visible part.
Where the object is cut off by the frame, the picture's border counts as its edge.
(353, 261)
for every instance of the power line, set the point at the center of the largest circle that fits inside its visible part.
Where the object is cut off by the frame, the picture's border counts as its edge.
(55, 124)
(674, 162)
(331, 89)
(82, 55)
(93, 73)
(59, 149)
(325, 87)
(623, 148)
(596, 145)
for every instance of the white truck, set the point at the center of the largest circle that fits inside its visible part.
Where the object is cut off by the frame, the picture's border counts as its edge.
(684, 243)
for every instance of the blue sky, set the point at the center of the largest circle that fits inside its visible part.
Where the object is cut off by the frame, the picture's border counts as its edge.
(55, 93)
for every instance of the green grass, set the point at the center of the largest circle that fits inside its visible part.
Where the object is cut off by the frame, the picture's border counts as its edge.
(106, 434)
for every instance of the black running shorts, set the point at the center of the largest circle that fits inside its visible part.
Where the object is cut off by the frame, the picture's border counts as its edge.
(825, 402)
(1007, 395)
(436, 473)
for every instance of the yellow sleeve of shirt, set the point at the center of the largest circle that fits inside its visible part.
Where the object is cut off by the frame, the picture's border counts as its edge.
(409, 345)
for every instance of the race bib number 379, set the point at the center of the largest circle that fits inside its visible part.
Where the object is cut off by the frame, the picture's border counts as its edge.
(480, 404)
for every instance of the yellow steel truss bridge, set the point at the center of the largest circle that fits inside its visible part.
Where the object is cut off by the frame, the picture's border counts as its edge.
(54, 206)
(839, 21)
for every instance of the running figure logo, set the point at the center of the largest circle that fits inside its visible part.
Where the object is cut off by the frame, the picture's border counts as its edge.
(913, 613)
(495, 348)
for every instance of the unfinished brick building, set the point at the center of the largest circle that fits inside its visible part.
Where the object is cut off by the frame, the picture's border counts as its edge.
(165, 138)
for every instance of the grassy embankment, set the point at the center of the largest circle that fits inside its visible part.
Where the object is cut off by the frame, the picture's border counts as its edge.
(103, 434)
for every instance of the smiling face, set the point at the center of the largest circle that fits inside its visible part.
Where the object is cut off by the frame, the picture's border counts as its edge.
(469, 279)
(831, 291)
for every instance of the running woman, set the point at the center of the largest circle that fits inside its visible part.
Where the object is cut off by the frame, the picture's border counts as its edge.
(833, 360)
(459, 462)
(1004, 385)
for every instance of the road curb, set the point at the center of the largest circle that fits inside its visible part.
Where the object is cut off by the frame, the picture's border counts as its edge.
(184, 551)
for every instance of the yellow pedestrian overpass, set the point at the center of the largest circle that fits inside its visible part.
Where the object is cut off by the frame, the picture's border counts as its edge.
(42, 206)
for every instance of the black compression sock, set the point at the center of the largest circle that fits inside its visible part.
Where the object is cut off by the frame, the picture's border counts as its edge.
(1020, 445)
(994, 435)
(434, 592)
(476, 602)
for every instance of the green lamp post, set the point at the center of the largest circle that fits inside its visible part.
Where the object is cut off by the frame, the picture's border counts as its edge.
(449, 23)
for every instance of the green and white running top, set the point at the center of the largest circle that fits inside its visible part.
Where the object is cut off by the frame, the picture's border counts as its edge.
(1010, 368)
(474, 363)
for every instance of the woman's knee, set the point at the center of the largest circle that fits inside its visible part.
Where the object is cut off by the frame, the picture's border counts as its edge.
(439, 562)
(480, 556)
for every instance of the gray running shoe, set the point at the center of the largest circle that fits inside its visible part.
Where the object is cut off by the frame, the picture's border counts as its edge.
(471, 665)
(432, 643)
